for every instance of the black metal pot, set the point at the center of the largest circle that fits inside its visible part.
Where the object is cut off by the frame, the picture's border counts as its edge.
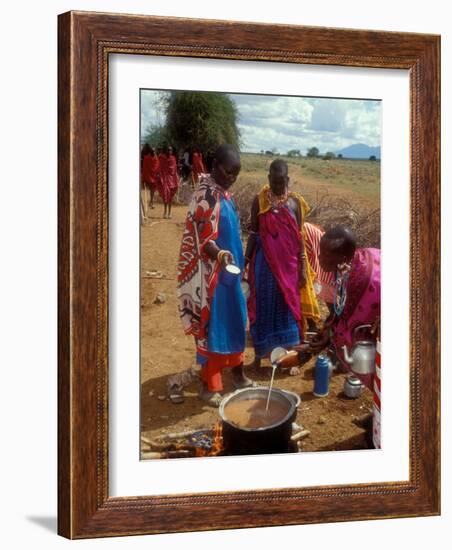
(274, 438)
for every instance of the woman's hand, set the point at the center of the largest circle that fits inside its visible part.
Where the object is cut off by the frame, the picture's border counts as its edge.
(225, 257)
(319, 342)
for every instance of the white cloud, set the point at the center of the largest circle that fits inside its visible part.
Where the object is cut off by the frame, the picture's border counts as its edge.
(285, 122)
(301, 123)
(363, 123)
(328, 115)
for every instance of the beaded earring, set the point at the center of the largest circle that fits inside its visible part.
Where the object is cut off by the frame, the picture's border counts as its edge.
(340, 289)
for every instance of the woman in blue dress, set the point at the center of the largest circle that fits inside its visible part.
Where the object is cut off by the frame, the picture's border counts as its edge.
(211, 310)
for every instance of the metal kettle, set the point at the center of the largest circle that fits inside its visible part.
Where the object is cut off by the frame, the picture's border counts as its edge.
(362, 358)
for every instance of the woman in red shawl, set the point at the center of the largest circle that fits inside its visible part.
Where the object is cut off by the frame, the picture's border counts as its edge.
(150, 171)
(169, 179)
(197, 166)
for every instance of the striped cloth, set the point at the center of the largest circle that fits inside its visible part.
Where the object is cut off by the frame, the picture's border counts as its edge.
(376, 407)
(312, 235)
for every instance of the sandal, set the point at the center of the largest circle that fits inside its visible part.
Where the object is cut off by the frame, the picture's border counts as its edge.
(239, 380)
(176, 394)
(213, 399)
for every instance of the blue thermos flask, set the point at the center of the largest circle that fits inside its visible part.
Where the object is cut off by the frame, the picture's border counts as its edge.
(321, 376)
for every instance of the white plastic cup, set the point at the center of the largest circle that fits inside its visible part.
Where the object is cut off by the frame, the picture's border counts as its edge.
(230, 274)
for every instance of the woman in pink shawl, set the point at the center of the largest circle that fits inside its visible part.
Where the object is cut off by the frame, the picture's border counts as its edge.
(277, 265)
(169, 180)
(357, 293)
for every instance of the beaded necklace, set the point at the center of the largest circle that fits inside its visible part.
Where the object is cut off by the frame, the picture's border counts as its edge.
(340, 288)
(277, 201)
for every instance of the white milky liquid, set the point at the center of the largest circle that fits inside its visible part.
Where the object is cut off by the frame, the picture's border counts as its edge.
(271, 385)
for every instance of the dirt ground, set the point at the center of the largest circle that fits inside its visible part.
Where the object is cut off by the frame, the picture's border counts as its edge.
(165, 351)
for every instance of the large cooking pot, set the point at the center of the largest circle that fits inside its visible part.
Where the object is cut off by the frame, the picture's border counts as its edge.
(272, 438)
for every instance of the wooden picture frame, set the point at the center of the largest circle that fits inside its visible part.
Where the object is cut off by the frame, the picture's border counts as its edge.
(85, 42)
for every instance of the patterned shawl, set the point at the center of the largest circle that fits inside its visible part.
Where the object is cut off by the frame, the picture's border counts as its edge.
(197, 274)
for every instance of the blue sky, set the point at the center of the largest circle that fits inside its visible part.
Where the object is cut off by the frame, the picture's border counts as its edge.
(285, 123)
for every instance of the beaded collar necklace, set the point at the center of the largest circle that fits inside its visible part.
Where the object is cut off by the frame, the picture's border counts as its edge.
(277, 201)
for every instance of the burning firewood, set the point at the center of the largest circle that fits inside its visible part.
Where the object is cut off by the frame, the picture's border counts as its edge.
(184, 444)
(180, 435)
(158, 445)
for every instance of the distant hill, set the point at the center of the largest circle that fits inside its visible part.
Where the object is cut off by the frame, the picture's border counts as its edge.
(359, 151)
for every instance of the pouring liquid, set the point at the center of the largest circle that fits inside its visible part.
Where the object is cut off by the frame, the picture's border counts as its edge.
(271, 385)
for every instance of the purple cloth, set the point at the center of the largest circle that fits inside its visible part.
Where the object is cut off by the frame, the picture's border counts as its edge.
(362, 306)
(280, 237)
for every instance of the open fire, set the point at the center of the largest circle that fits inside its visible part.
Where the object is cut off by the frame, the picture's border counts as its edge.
(202, 443)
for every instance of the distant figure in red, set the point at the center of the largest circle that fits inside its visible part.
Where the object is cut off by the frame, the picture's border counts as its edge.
(150, 171)
(197, 165)
(169, 179)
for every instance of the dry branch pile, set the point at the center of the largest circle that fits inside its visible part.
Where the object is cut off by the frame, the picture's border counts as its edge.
(327, 210)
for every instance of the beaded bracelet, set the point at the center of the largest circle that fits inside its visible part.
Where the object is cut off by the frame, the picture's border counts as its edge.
(220, 255)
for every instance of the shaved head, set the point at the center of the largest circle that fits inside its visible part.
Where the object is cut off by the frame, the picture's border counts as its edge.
(278, 177)
(279, 167)
(340, 239)
(226, 152)
(226, 165)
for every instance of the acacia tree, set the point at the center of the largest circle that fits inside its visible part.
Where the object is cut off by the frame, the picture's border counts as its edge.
(201, 119)
(313, 152)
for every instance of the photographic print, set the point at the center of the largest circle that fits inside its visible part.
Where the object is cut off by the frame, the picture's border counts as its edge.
(260, 274)
(193, 280)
